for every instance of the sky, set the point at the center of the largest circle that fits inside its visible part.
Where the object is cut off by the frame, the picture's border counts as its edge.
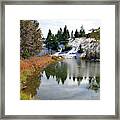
(55, 25)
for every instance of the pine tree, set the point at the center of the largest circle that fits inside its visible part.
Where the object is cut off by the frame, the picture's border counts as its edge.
(68, 35)
(95, 33)
(65, 35)
(59, 36)
(51, 41)
(30, 38)
(76, 34)
(48, 41)
(72, 34)
(82, 32)
(54, 43)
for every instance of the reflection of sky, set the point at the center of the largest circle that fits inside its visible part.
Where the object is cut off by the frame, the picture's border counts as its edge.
(76, 89)
(54, 25)
(82, 68)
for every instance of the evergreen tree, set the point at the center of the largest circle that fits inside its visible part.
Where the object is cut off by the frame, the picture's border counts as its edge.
(59, 36)
(51, 41)
(48, 41)
(54, 44)
(76, 34)
(65, 35)
(30, 38)
(68, 35)
(61, 30)
(95, 33)
(80, 49)
(82, 32)
(72, 34)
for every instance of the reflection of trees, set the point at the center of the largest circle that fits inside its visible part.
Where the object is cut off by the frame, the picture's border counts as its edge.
(94, 83)
(73, 78)
(79, 79)
(31, 85)
(59, 70)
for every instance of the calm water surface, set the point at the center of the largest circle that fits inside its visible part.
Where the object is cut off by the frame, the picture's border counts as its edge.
(70, 79)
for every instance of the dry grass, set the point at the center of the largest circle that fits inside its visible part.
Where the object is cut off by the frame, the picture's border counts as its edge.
(29, 73)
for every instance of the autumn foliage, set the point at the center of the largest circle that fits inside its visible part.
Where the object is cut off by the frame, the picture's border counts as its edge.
(30, 72)
(35, 62)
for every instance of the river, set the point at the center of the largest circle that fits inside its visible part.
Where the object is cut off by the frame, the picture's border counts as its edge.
(70, 79)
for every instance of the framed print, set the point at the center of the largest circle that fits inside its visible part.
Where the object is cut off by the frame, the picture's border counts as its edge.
(60, 60)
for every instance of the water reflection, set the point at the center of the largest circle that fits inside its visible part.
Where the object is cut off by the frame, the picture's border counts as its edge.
(29, 89)
(94, 83)
(70, 79)
(58, 70)
(76, 71)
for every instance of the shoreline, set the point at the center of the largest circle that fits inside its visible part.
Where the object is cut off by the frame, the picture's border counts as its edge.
(30, 73)
(30, 70)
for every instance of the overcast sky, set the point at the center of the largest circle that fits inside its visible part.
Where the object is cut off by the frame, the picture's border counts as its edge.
(55, 25)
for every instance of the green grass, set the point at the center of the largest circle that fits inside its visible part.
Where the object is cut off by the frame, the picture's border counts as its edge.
(24, 75)
(24, 96)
